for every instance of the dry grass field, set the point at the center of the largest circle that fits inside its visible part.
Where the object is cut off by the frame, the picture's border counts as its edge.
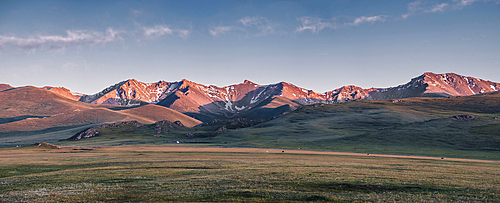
(191, 174)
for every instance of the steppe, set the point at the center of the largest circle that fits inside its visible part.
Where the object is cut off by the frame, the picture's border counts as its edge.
(192, 174)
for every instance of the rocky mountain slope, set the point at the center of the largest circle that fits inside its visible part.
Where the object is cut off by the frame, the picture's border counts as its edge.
(437, 85)
(254, 101)
(131, 92)
(451, 84)
(209, 102)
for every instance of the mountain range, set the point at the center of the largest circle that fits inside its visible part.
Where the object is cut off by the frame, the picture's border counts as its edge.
(56, 112)
(252, 100)
(465, 127)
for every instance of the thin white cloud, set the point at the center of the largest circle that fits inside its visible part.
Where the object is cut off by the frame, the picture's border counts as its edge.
(247, 21)
(220, 30)
(413, 7)
(264, 25)
(160, 30)
(315, 24)
(464, 2)
(250, 25)
(369, 19)
(157, 30)
(424, 7)
(73, 37)
(438, 8)
(421, 6)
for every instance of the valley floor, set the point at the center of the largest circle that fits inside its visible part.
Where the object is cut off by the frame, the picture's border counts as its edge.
(184, 173)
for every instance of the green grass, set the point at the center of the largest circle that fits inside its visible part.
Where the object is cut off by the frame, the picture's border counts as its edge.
(52, 135)
(151, 175)
(415, 126)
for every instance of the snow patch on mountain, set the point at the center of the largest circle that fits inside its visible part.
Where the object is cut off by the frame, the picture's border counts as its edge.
(256, 98)
(240, 108)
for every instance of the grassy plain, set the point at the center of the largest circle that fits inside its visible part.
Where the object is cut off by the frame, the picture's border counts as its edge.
(149, 174)
(413, 126)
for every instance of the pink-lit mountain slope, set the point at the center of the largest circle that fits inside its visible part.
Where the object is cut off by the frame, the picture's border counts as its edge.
(61, 91)
(5, 87)
(247, 98)
(32, 109)
(131, 92)
(456, 85)
(437, 85)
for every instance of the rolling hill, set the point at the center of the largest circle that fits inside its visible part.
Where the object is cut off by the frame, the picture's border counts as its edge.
(27, 111)
(465, 127)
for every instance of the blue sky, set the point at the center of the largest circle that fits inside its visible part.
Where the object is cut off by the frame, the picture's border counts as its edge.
(86, 46)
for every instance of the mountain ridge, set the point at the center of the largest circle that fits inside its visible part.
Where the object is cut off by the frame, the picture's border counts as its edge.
(208, 102)
(230, 101)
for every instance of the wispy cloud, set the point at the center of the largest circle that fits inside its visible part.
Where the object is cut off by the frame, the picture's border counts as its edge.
(438, 8)
(220, 30)
(413, 8)
(264, 25)
(73, 37)
(368, 19)
(421, 6)
(464, 2)
(85, 37)
(315, 24)
(255, 25)
(248, 21)
(160, 30)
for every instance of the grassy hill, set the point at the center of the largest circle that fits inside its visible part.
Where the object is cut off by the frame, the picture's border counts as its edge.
(413, 126)
(30, 114)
